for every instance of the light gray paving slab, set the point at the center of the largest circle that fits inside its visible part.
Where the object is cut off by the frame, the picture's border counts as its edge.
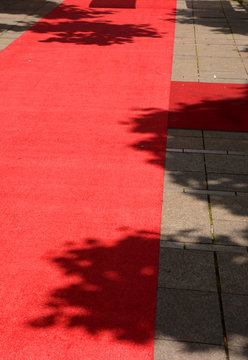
(184, 162)
(232, 164)
(181, 142)
(182, 269)
(238, 353)
(229, 208)
(236, 319)
(231, 232)
(188, 315)
(184, 132)
(233, 270)
(225, 134)
(184, 180)
(227, 182)
(185, 218)
(177, 350)
(226, 144)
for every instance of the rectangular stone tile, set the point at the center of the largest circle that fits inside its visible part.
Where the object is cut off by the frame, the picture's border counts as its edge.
(231, 232)
(184, 77)
(182, 269)
(185, 218)
(177, 350)
(230, 208)
(228, 182)
(184, 142)
(184, 180)
(226, 144)
(185, 49)
(217, 51)
(187, 315)
(213, 64)
(185, 66)
(226, 134)
(233, 270)
(184, 132)
(232, 164)
(184, 162)
(238, 353)
(236, 319)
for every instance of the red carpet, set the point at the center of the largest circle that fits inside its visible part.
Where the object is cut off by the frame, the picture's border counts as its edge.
(208, 106)
(84, 98)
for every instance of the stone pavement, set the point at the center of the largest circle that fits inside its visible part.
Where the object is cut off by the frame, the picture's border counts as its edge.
(203, 275)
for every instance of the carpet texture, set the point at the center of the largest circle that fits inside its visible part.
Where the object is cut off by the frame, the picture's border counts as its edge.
(84, 104)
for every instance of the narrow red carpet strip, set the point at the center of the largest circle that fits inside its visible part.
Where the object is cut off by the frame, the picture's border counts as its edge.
(208, 106)
(84, 104)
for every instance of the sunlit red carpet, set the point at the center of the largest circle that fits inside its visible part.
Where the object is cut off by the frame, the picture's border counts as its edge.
(84, 104)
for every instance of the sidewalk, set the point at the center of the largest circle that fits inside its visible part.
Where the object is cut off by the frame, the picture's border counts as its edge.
(203, 274)
(203, 287)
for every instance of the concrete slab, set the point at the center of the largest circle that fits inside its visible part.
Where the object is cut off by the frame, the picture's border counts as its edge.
(228, 182)
(182, 132)
(185, 218)
(175, 350)
(182, 269)
(184, 142)
(187, 315)
(230, 208)
(184, 180)
(231, 232)
(231, 164)
(184, 162)
(233, 270)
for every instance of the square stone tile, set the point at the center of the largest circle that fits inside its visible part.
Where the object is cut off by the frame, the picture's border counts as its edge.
(177, 350)
(238, 353)
(236, 319)
(184, 269)
(231, 208)
(185, 218)
(184, 142)
(233, 273)
(226, 144)
(232, 164)
(184, 162)
(228, 182)
(231, 232)
(187, 315)
(184, 180)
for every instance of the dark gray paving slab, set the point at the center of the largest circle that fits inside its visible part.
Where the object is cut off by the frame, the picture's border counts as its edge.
(182, 269)
(188, 180)
(184, 162)
(226, 144)
(236, 319)
(233, 273)
(187, 315)
(225, 134)
(227, 182)
(232, 208)
(185, 218)
(175, 350)
(184, 132)
(232, 164)
(231, 232)
(184, 142)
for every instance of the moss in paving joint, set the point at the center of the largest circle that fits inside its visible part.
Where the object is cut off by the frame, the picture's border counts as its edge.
(219, 291)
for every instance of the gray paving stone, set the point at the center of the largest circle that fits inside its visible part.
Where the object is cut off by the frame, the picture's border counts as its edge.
(228, 182)
(232, 164)
(182, 142)
(184, 162)
(236, 319)
(233, 273)
(217, 248)
(238, 353)
(184, 180)
(182, 269)
(226, 144)
(215, 51)
(176, 350)
(188, 315)
(229, 208)
(225, 134)
(231, 232)
(185, 218)
(184, 132)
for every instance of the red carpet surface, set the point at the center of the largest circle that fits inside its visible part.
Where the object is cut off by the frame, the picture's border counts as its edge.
(208, 106)
(83, 107)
